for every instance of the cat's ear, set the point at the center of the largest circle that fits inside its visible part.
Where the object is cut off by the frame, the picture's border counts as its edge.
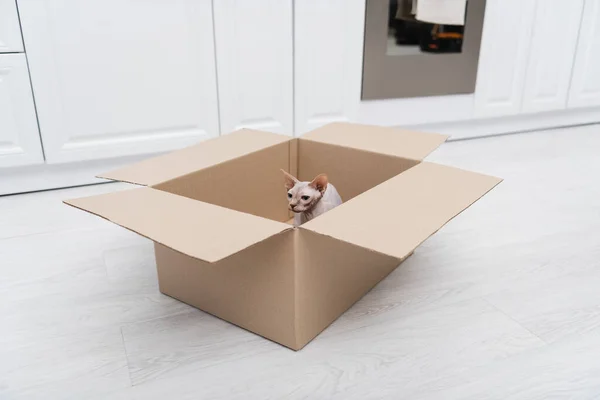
(290, 181)
(319, 183)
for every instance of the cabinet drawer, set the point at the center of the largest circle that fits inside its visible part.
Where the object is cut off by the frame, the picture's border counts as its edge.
(10, 32)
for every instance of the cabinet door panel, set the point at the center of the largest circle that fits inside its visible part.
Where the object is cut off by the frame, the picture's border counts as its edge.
(19, 137)
(553, 45)
(328, 59)
(10, 32)
(120, 77)
(254, 60)
(585, 84)
(505, 46)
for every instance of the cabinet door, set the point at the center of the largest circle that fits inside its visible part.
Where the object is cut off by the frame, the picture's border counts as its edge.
(328, 59)
(19, 137)
(585, 84)
(120, 77)
(505, 45)
(254, 61)
(553, 44)
(10, 33)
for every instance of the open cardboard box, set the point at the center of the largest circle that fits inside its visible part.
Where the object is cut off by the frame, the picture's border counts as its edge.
(218, 215)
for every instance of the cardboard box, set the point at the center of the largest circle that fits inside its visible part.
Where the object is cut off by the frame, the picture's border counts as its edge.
(218, 215)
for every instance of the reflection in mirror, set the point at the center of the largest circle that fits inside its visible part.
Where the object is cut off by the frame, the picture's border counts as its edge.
(417, 48)
(416, 27)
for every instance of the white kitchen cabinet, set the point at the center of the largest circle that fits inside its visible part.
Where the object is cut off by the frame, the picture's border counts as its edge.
(585, 83)
(10, 33)
(328, 61)
(254, 47)
(116, 78)
(503, 59)
(553, 45)
(19, 138)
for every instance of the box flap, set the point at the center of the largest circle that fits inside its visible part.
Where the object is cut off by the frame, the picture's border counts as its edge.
(391, 141)
(396, 216)
(197, 229)
(202, 155)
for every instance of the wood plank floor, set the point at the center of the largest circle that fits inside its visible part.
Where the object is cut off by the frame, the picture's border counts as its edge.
(502, 303)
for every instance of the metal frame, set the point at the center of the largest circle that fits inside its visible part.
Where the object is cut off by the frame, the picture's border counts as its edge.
(386, 77)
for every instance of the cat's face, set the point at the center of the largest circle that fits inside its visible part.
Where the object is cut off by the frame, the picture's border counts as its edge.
(302, 196)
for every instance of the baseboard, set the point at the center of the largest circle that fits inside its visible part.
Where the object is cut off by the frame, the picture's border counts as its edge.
(43, 177)
(512, 124)
(53, 176)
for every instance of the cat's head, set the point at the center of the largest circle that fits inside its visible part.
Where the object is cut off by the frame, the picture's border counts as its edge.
(302, 196)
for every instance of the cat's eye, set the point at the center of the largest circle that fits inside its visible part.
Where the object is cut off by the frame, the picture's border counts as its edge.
(289, 195)
(305, 198)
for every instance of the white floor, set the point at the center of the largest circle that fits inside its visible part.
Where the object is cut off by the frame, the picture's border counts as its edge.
(503, 303)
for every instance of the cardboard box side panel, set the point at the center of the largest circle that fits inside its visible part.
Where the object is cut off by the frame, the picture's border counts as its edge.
(332, 276)
(203, 155)
(293, 168)
(298, 340)
(398, 215)
(252, 183)
(252, 289)
(351, 171)
(198, 229)
(385, 140)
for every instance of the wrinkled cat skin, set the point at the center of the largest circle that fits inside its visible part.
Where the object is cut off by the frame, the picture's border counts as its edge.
(308, 200)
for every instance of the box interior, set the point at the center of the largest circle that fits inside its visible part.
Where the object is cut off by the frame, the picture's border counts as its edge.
(253, 183)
